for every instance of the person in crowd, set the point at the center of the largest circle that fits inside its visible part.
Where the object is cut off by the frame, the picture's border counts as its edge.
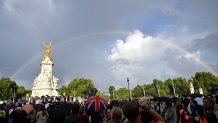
(209, 107)
(169, 115)
(201, 118)
(116, 115)
(193, 110)
(74, 117)
(42, 116)
(157, 106)
(21, 117)
(132, 112)
(182, 116)
(107, 118)
(11, 113)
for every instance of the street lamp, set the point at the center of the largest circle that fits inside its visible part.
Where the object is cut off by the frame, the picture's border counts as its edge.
(128, 87)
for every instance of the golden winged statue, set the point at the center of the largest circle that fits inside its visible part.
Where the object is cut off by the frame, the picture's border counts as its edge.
(47, 50)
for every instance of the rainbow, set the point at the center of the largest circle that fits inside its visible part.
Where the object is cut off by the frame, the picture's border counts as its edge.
(124, 32)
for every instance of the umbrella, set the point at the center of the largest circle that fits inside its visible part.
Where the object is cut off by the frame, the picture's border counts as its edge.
(96, 103)
(28, 108)
(195, 95)
(165, 98)
(169, 98)
(157, 99)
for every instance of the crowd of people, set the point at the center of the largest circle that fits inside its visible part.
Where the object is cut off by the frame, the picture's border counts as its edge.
(60, 110)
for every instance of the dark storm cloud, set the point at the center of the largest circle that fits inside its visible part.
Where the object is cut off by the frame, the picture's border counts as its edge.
(26, 24)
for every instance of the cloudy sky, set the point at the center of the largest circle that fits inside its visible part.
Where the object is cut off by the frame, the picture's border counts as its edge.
(108, 41)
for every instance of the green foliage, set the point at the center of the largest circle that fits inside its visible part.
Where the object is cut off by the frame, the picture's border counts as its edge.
(181, 84)
(106, 97)
(207, 81)
(150, 90)
(63, 90)
(7, 88)
(99, 93)
(169, 86)
(22, 92)
(158, 84)
(122, 93)
(77, 87)
(2, 114)
(111, 92)
(137, 92)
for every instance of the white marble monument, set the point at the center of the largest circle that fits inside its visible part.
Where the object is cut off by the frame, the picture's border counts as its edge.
(46, 82)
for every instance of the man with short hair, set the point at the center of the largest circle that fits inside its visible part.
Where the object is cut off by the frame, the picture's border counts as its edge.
(107, 117)
(132, 112)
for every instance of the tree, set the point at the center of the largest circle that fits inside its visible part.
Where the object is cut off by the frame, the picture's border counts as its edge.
(137, 92)
(122, 93)
(8, 88)
(22, 92)
(111, 92)
(77, 87)
(169, 86)
(63, 90)
(99, 93)
(150, 90)
(159, 86)
(207, 81)
(181, 84)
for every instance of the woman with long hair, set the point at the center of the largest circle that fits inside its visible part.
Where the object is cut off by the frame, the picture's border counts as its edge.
(209, 107)
(201, 115)
(42, 116)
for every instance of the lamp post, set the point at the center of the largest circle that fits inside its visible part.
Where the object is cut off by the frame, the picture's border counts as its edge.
(128, 87)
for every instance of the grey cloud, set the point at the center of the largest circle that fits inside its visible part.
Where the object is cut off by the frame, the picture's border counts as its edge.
(208, 44)
(25, 24)
(181, 65)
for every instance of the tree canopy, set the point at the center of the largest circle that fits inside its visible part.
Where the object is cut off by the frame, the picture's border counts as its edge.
(207, 81)
(77, 87)
(8, 88)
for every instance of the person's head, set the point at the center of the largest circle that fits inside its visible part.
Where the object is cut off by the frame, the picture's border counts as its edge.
(157, 103)
(108, 111)
(178, 102)
(193, 103)
(200, 110)
(208, 103)
(76, 109)
(131, 110)
(168, 104)
(116, 115)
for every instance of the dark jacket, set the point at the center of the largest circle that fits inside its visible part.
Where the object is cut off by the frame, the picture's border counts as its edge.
(73, 119)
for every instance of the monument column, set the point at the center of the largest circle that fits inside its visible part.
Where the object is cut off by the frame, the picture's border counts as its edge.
(46, 82)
